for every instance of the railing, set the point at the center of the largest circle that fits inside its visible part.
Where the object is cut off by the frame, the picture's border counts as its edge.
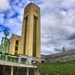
(61, 59)
(15, 59)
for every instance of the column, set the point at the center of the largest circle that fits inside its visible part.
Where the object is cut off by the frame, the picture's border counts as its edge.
(27, 71)
(11, 70)
(19, 60)
(3, 70)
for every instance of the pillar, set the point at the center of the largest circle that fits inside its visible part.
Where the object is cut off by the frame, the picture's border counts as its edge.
(3, 70)
(19, 60)
(11, 70)
(27, 71)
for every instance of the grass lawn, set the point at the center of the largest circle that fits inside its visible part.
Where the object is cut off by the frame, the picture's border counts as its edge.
(57, 68)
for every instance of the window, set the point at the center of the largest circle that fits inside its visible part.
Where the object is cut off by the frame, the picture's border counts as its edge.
(16, 50)
(17, 42)
(25, 33)
(15, 53)
(16, 47)
(34, 35)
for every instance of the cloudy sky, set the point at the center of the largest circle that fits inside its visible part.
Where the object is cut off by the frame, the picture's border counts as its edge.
(57, 22)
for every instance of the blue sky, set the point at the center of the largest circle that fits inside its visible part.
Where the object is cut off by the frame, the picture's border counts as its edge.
(57, 22)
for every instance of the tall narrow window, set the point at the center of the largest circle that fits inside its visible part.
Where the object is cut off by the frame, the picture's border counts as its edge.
(34, 35)
(17, 42)
(16, 47)
(26, 20)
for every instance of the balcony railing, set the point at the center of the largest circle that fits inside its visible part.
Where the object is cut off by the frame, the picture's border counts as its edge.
(15, 59)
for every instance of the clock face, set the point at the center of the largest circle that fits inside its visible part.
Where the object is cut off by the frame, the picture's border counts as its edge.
(6, 33)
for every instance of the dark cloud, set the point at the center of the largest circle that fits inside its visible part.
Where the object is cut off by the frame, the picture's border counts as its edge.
(71, 37)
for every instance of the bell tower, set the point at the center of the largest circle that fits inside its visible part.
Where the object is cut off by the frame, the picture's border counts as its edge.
(30, 39)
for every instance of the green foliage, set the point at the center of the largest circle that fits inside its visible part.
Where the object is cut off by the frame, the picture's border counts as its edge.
(57, 68)
(0, 48)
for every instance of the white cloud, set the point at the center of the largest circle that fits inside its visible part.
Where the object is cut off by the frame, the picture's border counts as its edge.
(67, 4)
(4, 4)
(14, 24)
(1, 18)
(57, 24)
